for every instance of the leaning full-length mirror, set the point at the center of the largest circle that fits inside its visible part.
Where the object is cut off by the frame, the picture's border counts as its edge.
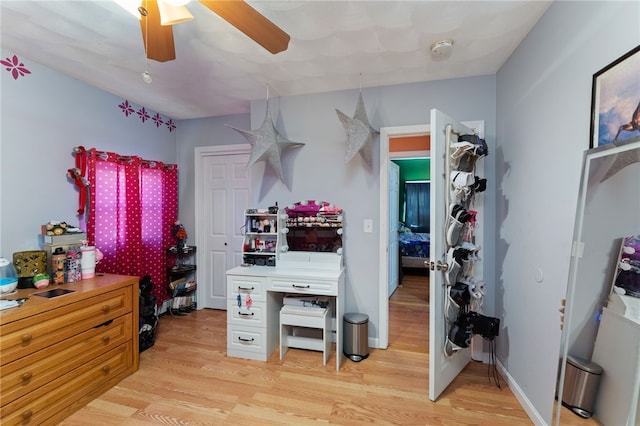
(599, 361)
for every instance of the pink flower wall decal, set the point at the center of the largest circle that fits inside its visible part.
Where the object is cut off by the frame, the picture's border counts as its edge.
(157, 120)
(142, 113)
(126, 108)
(15, 67)
(146, 115)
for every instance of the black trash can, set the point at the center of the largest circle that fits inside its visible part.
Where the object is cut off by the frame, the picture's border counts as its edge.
(356, 336)
(581, 381)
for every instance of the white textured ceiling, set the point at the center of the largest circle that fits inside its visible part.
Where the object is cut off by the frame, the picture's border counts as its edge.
(335, 45)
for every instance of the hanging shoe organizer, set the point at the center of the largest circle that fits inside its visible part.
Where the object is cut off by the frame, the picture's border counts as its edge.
(465, 292)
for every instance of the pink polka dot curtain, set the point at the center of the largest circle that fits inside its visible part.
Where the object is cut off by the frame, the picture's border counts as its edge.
(132, 206)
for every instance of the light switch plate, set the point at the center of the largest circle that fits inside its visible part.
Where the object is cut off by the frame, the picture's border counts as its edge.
(368, 225)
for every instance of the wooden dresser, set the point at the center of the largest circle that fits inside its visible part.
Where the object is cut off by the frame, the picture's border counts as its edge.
(58, 354)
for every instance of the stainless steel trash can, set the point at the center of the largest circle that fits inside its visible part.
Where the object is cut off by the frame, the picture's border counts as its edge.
(356, 336)
(581, 381)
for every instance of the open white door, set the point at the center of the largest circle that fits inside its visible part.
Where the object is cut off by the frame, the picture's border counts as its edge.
(394, 250)
(442, 368)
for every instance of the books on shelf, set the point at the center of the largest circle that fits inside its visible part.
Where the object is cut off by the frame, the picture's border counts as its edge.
(182, 286)
(181, 302)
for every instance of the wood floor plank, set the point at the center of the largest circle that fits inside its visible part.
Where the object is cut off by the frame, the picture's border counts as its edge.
(187, 379)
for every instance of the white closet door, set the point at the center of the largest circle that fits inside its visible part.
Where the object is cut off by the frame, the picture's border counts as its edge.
(224, 198)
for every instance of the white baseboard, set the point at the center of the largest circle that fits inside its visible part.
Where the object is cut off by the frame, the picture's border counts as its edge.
(479, 355)
(521, 397)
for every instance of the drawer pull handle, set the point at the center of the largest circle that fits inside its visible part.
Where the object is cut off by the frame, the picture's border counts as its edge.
(27, 376)
(106, 339)
(242, 339)
(27, 415)
(106, 323)
(245, 288)
(105, 309)
(244, 314)
(26, 339)
(106, 369)
(300, 286)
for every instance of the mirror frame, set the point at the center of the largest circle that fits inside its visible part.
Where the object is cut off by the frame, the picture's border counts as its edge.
(611, 159)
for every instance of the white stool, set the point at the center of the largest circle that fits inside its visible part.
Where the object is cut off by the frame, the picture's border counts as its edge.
(292, 317)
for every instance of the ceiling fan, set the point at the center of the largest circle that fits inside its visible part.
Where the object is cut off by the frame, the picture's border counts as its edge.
(158, 37)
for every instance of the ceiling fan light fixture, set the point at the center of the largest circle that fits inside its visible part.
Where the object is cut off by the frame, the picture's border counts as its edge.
(172, 15)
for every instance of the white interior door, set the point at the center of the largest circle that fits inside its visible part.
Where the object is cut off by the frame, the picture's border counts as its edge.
(394, 254)
(442, 368)
(223, 198)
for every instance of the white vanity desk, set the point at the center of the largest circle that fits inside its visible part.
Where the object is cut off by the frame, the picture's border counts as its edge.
(253, 327)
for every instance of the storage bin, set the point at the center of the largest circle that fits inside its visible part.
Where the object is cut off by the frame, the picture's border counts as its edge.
(356, 336)
(581, 381)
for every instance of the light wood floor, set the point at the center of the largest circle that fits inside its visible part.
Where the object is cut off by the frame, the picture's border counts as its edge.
(187, 379)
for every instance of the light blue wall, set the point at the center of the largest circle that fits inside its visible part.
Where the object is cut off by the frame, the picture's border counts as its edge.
(202, 132)
(44, 116)
(543, 115)
(318, 171)
(536, 111)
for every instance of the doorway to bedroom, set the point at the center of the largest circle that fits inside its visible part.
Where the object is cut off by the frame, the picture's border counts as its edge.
(409, 205)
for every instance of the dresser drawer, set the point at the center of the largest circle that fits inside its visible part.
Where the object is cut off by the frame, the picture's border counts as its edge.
(43, 406)
(21, 338)
(253, 316)
(253, 286)
(303, 286)
(248, 339)
(33, 371)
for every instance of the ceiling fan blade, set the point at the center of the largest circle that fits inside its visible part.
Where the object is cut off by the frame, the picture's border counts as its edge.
(251, 22)
(158, 39)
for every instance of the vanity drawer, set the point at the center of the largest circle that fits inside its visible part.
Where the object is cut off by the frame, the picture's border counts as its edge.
(256, 287)
(43, 406)
(246, 339)
(33, 371)
(253, 316)
(21, 338)
(303, 286)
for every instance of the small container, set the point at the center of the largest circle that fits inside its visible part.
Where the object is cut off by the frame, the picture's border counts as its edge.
(41, 281)
(72, 271)
(57, 265)
(581, 382)
(88, 262)
(356, 336)
(8, 276)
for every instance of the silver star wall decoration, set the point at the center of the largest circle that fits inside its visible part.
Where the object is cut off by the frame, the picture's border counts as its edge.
(267, 144)
(359, 132)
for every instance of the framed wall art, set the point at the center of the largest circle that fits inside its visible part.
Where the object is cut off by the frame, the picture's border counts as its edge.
(615, 100)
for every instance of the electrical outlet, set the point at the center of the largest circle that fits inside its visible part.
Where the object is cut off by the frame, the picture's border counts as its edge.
(368, 225)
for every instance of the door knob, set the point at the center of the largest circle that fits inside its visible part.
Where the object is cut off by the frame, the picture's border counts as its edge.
(442, 266)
